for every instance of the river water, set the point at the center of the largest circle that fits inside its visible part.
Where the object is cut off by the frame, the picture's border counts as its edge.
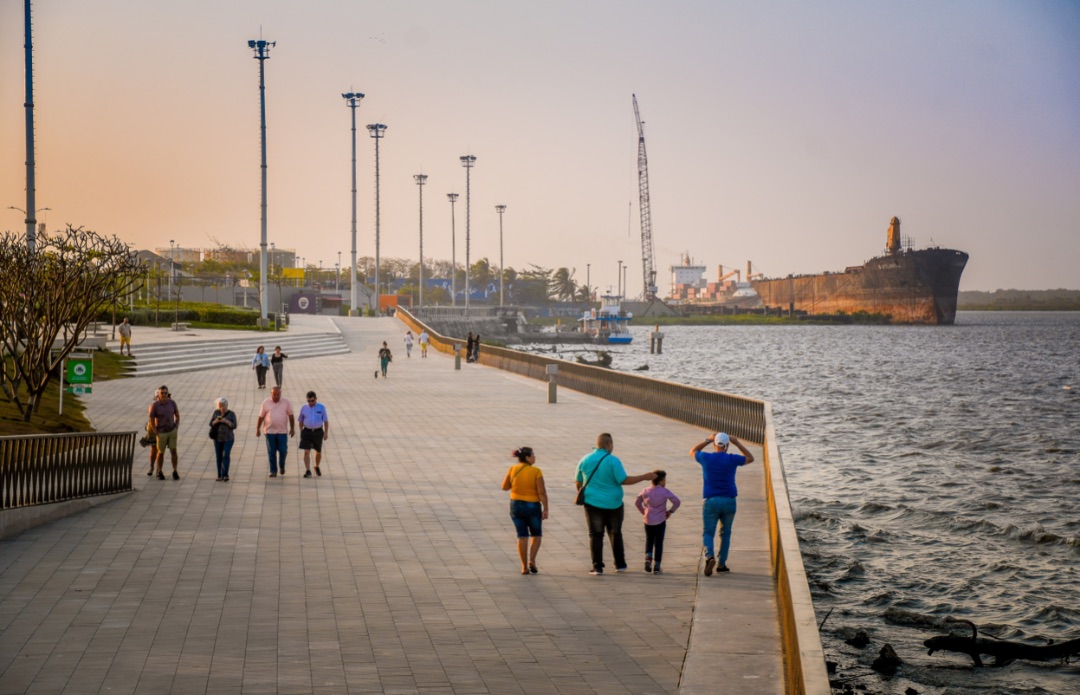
(934, 473)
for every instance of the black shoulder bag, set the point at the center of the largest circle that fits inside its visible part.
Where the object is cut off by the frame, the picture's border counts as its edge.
(580, 498)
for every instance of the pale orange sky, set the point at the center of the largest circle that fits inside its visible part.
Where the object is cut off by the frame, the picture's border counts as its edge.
(785, 133)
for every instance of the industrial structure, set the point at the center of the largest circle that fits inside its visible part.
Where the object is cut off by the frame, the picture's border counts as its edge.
(648, 263)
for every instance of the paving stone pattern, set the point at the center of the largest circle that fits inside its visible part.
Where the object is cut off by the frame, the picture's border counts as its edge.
(394, 572)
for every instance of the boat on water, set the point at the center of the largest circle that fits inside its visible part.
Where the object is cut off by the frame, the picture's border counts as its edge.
(609, 324)
(916, 286)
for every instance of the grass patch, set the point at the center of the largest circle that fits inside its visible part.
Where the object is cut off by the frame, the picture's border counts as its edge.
(47, 419)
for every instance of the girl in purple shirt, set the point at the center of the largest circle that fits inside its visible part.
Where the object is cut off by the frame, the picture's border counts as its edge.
(652, 503)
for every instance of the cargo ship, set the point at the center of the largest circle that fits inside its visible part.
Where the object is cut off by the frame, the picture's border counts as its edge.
(909, 285)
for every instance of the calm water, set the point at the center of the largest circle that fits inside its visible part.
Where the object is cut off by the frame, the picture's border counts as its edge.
(934, 472)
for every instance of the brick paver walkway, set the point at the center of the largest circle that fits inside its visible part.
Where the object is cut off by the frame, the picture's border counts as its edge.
(394, 572)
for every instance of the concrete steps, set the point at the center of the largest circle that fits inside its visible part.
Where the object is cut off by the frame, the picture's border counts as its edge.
(177, 357)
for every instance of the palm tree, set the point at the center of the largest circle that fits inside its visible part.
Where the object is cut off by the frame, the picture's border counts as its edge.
(563, 285)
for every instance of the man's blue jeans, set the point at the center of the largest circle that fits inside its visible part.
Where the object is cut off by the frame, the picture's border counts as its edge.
(277, 446)
(722, 510)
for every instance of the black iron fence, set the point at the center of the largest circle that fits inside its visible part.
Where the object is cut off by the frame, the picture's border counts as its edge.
(44, 468)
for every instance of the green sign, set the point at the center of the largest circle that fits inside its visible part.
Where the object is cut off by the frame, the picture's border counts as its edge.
(79, 389)
(80, 370)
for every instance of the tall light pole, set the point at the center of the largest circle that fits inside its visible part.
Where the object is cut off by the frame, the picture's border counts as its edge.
(452, 197)
(262, 52)
(271, 266)
(588, 283)
(337, 274)
(618, 280)
(467, 161)
(171, 242)
(625, 267)
(28, 104)
(377, 131)
(421, 179)
(502, 273)
(352, 99)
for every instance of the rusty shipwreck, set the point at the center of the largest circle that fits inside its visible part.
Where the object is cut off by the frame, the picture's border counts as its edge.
(909, 285)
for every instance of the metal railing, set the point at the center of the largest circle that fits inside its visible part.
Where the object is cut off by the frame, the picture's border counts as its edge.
(45, 468)
(744, 417)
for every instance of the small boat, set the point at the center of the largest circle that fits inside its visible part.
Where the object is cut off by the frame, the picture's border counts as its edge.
(608, 324)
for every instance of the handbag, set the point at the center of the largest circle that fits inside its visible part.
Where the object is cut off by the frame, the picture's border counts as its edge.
(579, 499)
(213, 432)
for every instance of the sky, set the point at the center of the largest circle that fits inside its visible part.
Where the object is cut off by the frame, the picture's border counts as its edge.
(786, 134)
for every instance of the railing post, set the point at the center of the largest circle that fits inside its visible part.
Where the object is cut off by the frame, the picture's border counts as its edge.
(457, 356)
(552, 371)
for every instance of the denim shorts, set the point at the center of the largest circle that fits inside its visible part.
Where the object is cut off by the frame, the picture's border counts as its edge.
(527, 518)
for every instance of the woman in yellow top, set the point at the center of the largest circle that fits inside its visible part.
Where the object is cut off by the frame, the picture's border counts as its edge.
(528, 505)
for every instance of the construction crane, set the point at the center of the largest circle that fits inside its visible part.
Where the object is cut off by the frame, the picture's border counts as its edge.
(648, 264)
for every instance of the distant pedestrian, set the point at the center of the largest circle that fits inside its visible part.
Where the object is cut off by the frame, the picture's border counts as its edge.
(314, 430)
(469, 344)
(603, 477)
(222, 425)
(276, 419)
(476, 348)
(718, 470)
(385, 358)
(125, 336)
(277, 361)
(528, 505)
(164, 417)
(652, 502)
(260, 363)
(424, 340)
(408, 344)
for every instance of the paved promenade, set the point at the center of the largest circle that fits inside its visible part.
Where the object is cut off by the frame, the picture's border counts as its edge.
(394, 572)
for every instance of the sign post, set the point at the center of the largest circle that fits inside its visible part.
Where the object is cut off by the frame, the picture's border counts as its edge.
(78, 375)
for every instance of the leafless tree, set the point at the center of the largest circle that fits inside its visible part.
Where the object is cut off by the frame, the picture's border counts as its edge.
(48, 297)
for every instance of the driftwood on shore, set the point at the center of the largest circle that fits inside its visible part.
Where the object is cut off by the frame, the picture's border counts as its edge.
(1003, 651)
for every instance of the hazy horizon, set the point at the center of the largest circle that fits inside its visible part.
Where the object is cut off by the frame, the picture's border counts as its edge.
(783, 133)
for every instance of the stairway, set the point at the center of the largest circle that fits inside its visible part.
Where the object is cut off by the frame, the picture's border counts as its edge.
(176, 357)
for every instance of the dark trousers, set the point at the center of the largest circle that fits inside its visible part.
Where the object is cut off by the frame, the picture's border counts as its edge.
(608, 521)
(654, 541)
(279, 368)
(260, 374)
(222, 450)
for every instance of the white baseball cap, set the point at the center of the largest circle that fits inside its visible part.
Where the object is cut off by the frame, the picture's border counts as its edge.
(721, 439)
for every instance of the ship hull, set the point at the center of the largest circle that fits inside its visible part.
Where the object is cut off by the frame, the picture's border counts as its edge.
(917, 287)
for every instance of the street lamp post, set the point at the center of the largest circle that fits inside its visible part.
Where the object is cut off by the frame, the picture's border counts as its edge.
(171, 242)
(377, 131)
(352, 99)
(272, 248)
(262, 52)
(421, 179)
(588, 283)
(502, 273)
(452, 197)
(467, 161)
(28, 104)
(337, 274)
(618, 280)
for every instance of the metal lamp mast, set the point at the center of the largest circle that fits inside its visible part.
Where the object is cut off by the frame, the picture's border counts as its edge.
(352, 100)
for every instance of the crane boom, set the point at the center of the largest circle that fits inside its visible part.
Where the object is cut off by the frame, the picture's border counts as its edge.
(648, 265)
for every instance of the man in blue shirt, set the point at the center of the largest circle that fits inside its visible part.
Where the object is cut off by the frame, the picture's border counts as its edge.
(718, 471)
(603, 477)
(314, 429)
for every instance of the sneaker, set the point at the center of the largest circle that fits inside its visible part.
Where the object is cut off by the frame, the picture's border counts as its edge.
(657, 570)
(648, 564)
(283, 469)
(273, 475)
(150, 472)
(596, 571)
(175, 475)
(161, 476)
(620, 569)
(307, 474)
(710, 563)
(722, 568)
(317, 471)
